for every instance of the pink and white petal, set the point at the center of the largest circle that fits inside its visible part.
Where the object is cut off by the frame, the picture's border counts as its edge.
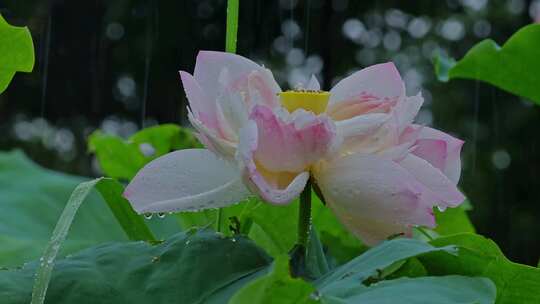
(406, 110)
(225, 121)
(267, 186)
(377, 140)
(374, 197)
(360, 106)
(233, 112)
(273, 187)
(362, 125)
(432, 150)
(442, 187)
(185, 180)
(452, 164)
(380, 80)
(212, 140)
(291, 142)
(313, 84)
(370, 230)
(203, 108)
(262, 89)
(396, 152)
(210, 67)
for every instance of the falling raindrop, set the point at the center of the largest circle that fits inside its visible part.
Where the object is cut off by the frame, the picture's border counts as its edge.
(45, 63)
(147, 149)
(315, 296)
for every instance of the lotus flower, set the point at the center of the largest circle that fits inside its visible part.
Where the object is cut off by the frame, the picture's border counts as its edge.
(380, 173)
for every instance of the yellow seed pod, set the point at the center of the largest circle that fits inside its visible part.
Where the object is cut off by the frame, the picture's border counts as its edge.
(314, 101)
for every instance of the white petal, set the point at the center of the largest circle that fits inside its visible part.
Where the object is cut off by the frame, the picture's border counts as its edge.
(381, 80)
(210, 66)
(406, 110)
(213, 141)
(433, 179)
(314, 84)
(374, 197)
(185, 180)
(452, 167)
(361, 125)
(199, 102)
(273, 187)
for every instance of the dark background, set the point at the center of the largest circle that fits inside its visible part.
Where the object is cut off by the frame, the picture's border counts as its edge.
(113, 65)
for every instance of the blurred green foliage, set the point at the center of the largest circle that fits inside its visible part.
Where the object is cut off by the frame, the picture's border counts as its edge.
(32, 199)
(479, 256)
(115, 67)
(511, 67)
(17, 52)
(119, 158)
(190, 267)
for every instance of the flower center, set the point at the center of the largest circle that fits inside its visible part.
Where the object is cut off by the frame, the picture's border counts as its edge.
(314, 101)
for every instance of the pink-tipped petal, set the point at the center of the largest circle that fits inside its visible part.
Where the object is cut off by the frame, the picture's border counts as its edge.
(406, 110)
(261, 89)
(451, 155)
(277, 149)
(442, 187)
(432, 150)
(203, 108)
(362, 105)
(292, 142)
(375, 197)
(380, 81)
(213, 69)
(273, 187)
(185, 180)
(375, 140)
(213, 140)
(361, 125)
(221, 92)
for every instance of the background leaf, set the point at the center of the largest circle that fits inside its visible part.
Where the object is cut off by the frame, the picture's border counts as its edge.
(440, 290)
(16, 52)
(341, 244)
(376, 259)
(32, 199)
(122, 159)
(133, 224)
(454, 220)
(44, 270)
(190, 267)
(512, 67)
(111, 191)
(479, 256)
(276, 231)
(276, 287)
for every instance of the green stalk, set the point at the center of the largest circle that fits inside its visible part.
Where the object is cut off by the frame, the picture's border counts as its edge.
(232, 25)
(304, 216)
(230, 47)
